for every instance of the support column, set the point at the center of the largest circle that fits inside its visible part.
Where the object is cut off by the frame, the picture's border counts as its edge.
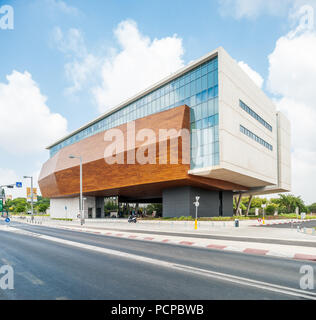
(249, 204)
(178, 202)
(238, 204)
(99, 207)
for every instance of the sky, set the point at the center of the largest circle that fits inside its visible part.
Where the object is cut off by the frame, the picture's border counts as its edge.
(63, 63)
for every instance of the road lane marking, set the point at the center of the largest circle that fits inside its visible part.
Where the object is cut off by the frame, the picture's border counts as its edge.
(7, 262)
(174, 266)
(30, 277)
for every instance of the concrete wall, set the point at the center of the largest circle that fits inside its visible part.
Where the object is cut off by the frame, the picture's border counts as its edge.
(239, 152)
(178, 202)
(284, 151)
(58, 207)
(243, 160)
(89, 206)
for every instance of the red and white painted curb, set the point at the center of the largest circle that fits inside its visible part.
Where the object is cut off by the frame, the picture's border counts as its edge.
(282, 222)
(257, 248)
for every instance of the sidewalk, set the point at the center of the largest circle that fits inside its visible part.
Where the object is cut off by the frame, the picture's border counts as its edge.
(184, 234)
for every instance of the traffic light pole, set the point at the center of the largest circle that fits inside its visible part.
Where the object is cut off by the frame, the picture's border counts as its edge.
(2, 196)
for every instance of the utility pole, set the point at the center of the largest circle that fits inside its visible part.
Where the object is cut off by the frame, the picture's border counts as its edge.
(80, 200)
(32, 210)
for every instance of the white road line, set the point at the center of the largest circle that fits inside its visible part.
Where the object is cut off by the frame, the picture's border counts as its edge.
(31, 277)
(198, 271)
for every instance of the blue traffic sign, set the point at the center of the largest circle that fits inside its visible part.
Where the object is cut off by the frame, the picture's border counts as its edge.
(18, 184)
(7, 220)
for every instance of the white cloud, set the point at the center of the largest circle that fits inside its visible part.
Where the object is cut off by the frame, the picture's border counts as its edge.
(70, 43)
(28, 125)
(304, 174)
(83, 65)
(292, 70)
(140, 63)
(254, 75)
(61, 6)
(253, 8)
(136, 64)
(292, 77)
(303, 120)
(7, 176)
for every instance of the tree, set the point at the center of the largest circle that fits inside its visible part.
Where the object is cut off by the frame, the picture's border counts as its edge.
(312, 207)
(290, 202)
(257, 202)
(271, 208)
(155, 207)
(41, 205)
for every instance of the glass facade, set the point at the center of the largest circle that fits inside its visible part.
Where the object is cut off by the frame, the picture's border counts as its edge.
(197, 88)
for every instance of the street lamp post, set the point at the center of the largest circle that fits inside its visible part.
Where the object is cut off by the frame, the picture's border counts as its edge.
(81, 200)
(32, 210)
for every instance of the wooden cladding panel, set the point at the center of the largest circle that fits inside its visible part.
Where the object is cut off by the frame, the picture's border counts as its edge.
(60, 175)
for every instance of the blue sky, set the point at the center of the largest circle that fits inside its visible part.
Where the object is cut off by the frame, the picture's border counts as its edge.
(68, 72)
(29, 46)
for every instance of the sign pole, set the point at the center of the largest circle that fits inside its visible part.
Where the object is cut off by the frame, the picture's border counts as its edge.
(263, 206)
(196, 203)
(32, 199)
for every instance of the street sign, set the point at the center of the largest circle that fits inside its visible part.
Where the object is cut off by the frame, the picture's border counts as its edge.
(29, 195)
(1, 204)
(7, 220)
(18, 184)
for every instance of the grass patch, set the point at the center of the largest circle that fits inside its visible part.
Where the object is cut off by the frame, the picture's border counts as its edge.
(250, 217)
(27, 215)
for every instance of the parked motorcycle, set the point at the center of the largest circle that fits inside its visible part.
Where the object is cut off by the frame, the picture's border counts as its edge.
(132, 219)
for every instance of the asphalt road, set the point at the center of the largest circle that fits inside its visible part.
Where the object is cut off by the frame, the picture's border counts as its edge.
(212, 236)
(47, 269)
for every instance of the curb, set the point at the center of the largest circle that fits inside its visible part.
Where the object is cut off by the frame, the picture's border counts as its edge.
(181, 242)
(274, 223)
(169, 240)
